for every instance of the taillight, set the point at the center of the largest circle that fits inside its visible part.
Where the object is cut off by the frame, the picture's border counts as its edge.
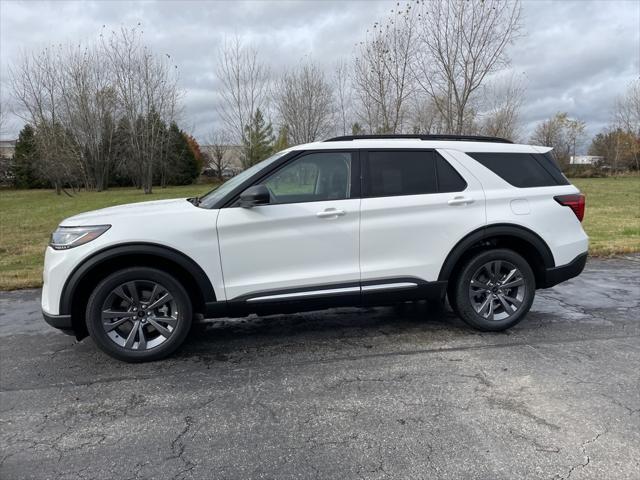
(574, 201)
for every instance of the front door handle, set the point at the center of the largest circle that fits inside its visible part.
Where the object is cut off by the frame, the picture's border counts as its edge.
(460, 200)
(330, 213)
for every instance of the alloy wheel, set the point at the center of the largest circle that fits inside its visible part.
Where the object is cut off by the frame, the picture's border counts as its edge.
(139, 315)
(497, 290)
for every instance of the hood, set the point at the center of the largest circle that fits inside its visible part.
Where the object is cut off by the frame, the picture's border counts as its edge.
(129, 210)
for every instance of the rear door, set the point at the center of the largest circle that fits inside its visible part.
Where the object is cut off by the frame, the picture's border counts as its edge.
(305, 243)
(416, 206)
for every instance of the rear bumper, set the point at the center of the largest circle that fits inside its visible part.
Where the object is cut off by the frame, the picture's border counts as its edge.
(556, 275)
(61, 322)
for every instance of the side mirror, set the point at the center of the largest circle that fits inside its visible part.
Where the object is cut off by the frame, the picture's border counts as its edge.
(256, 195)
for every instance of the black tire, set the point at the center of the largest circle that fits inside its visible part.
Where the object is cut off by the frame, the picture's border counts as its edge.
(179, 304)
(465, 302)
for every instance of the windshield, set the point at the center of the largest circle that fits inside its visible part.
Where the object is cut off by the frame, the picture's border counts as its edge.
(208, 200)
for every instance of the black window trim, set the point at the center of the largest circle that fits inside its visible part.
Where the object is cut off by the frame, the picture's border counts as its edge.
(364, 165)
(232, 200)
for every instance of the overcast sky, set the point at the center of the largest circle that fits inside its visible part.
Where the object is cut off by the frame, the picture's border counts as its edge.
(576, 56)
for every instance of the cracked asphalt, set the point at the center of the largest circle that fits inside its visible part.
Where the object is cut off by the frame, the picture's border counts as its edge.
(378, 393)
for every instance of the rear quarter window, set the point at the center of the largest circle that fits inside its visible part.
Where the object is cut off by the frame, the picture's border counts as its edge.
(448, 179)
(522, 170)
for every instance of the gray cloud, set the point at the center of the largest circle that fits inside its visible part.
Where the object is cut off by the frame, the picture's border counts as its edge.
(576, 56)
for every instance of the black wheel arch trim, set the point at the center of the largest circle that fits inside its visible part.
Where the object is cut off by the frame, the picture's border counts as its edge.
(496, 230)
(143, 248)
(61, 322)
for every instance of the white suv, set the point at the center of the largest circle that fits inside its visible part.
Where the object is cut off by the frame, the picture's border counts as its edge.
(365, 220)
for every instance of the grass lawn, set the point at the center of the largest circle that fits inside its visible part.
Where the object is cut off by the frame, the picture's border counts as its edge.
(27, 217)
(612, 215)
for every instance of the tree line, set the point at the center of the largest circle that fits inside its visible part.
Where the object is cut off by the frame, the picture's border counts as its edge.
(100, 115)
(618, 143)
(428, 67)
(106, 113)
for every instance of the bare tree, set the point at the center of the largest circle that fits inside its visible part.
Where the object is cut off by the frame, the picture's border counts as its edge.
(627, 109)
(3, 118)
(37, 89)
(503, 101)
(244, 82)
(460, 43)
(146, 89)
(561, 132)
(304, 102)
(425, 117)
(87, 111)
(626, 116)
(343, 97)
(218, 153)
(383, 73)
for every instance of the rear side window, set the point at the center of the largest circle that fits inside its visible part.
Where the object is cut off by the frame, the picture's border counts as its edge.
(522, 170)
(400, 172)
(409, 172)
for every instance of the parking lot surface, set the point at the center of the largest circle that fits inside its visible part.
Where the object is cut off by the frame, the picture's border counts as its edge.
(377, 393)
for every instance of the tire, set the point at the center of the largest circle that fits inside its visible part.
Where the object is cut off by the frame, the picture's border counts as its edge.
(156, 314)
(501, 294)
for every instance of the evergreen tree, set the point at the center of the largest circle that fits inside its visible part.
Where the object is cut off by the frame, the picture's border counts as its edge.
(258, 140)
(183, 166)
(25, 160)
(282, 142)
(125, 168)
(356, 129)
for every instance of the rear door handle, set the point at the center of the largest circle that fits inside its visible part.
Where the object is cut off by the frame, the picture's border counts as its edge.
(460, 201)
(330, 213)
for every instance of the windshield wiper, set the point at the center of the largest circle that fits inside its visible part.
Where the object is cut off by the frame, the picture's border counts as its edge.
(194, 200)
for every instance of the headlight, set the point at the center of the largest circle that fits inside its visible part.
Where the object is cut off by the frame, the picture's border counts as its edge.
(69, 237)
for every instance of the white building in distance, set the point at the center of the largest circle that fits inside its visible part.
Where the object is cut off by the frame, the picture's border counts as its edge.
(585, 160)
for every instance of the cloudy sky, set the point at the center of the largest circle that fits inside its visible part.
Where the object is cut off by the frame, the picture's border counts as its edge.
(576, 56)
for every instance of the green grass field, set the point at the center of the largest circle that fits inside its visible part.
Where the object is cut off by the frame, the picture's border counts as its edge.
(27, 217)
(612, 218)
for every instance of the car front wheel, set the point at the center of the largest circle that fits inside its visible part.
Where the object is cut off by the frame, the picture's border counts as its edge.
(494, 290)
(139, 314)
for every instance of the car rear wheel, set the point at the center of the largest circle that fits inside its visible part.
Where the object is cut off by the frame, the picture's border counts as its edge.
(494, 290)
(139, 314)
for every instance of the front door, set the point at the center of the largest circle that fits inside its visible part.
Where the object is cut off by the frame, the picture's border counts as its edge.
(304, 244)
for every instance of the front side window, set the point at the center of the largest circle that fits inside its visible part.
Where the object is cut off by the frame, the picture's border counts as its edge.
(210, 199)
(312, 178)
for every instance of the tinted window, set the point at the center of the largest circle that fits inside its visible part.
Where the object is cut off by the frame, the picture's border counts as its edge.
(448, 179)
(217, 194)
(312, 178)
(390, 173)
(519, 169)
(548, 161)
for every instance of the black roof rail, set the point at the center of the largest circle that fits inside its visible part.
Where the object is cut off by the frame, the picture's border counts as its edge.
(462, 138)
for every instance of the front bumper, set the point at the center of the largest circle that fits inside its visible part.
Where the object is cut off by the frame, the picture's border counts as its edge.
(61, 322)
(556, 275)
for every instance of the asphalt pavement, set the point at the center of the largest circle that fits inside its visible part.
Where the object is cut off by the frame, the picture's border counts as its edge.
(404, 392)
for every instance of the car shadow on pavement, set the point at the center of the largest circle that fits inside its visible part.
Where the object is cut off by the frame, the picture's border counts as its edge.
(228, 338)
